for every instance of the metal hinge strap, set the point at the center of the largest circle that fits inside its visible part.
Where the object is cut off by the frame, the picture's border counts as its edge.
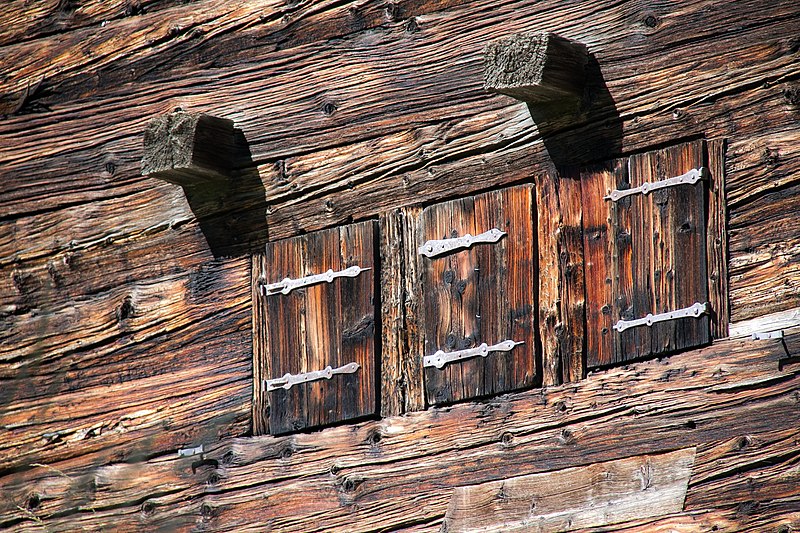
(287, 285)
(690, 178)
(436, 247)
(289, 380)
(441, 358)
(693, 311)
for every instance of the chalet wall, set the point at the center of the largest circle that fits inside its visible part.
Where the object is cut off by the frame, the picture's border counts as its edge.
(125, 321)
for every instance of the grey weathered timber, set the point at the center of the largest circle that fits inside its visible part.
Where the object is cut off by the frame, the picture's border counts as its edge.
(188, 148)
(600, 494)
(536, 67)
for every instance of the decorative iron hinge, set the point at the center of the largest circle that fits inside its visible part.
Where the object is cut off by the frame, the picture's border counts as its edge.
(441, 358)
(690, 178)
(433, 248)
(693, 311)
(287, 285)
(289, 380)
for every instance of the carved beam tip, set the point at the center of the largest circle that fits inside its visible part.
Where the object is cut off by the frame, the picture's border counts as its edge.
(536, 67)
(188, 148)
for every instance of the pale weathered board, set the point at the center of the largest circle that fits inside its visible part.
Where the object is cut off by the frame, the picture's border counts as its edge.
(600, 494)
(484, 294)
(313, 327)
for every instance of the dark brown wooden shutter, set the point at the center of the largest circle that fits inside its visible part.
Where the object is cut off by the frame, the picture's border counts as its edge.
(644, 254)
(310, 328)
(484, 294)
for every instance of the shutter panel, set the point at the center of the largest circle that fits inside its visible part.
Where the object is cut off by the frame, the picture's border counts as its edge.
(316, 326)
(482, 294)
(645, 254)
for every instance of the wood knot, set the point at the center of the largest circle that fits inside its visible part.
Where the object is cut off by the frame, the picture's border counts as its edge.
(133, 8)
(792, 95)
(351, 483)
(207, 511)
(33, 502)
(328, 108)
(742, 442)
(507, 439)
(412, 26)
(566, 438)
(126, 309)
(650, 21)
(392, 11)
(148, 508)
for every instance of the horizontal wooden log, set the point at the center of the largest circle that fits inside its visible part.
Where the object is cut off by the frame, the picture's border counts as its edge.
(316, 129)
(600, 494)
(348, 477)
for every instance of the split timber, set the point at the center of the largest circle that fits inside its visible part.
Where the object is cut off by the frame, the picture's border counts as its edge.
(125, 327)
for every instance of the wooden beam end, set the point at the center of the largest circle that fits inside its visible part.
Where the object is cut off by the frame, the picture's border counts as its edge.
(188, 148)
(536, 67)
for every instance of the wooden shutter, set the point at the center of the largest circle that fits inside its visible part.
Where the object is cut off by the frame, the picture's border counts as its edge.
(310, 328)
(644, 254)
(483, 294)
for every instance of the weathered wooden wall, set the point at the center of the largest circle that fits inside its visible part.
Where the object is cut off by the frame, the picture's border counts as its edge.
(125, 327)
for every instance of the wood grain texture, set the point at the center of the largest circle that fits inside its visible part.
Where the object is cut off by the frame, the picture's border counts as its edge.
(608, 266)
(350, 107)
(401, 313)
(345, 477)
(561, 292)
(717, 240)
(536, 67)
(600, 494)
(669, 248)
(313, 327)
(189, 149)
(482, 294)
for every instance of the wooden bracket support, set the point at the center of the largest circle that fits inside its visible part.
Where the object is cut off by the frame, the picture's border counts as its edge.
(536, 67)
(189, 148)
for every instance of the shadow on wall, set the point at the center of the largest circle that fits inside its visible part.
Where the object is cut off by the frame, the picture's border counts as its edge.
(232, 212)
(590, 131)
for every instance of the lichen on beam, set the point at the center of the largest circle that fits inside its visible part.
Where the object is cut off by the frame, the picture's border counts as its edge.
(536, 67)
(188, 148)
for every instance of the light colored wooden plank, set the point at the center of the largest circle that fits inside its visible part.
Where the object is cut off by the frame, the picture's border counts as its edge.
(596, 495)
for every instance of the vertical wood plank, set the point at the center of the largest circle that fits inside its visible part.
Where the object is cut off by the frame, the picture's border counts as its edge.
(571, 281)
(609, 276)
(401, 313)
(717, 240)
(357, 318)
(261, 362)
(641, 171)
(561, 286)
(285, 322)
(392, 317)
(414, 309)
(322, 312)
(549, 308)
